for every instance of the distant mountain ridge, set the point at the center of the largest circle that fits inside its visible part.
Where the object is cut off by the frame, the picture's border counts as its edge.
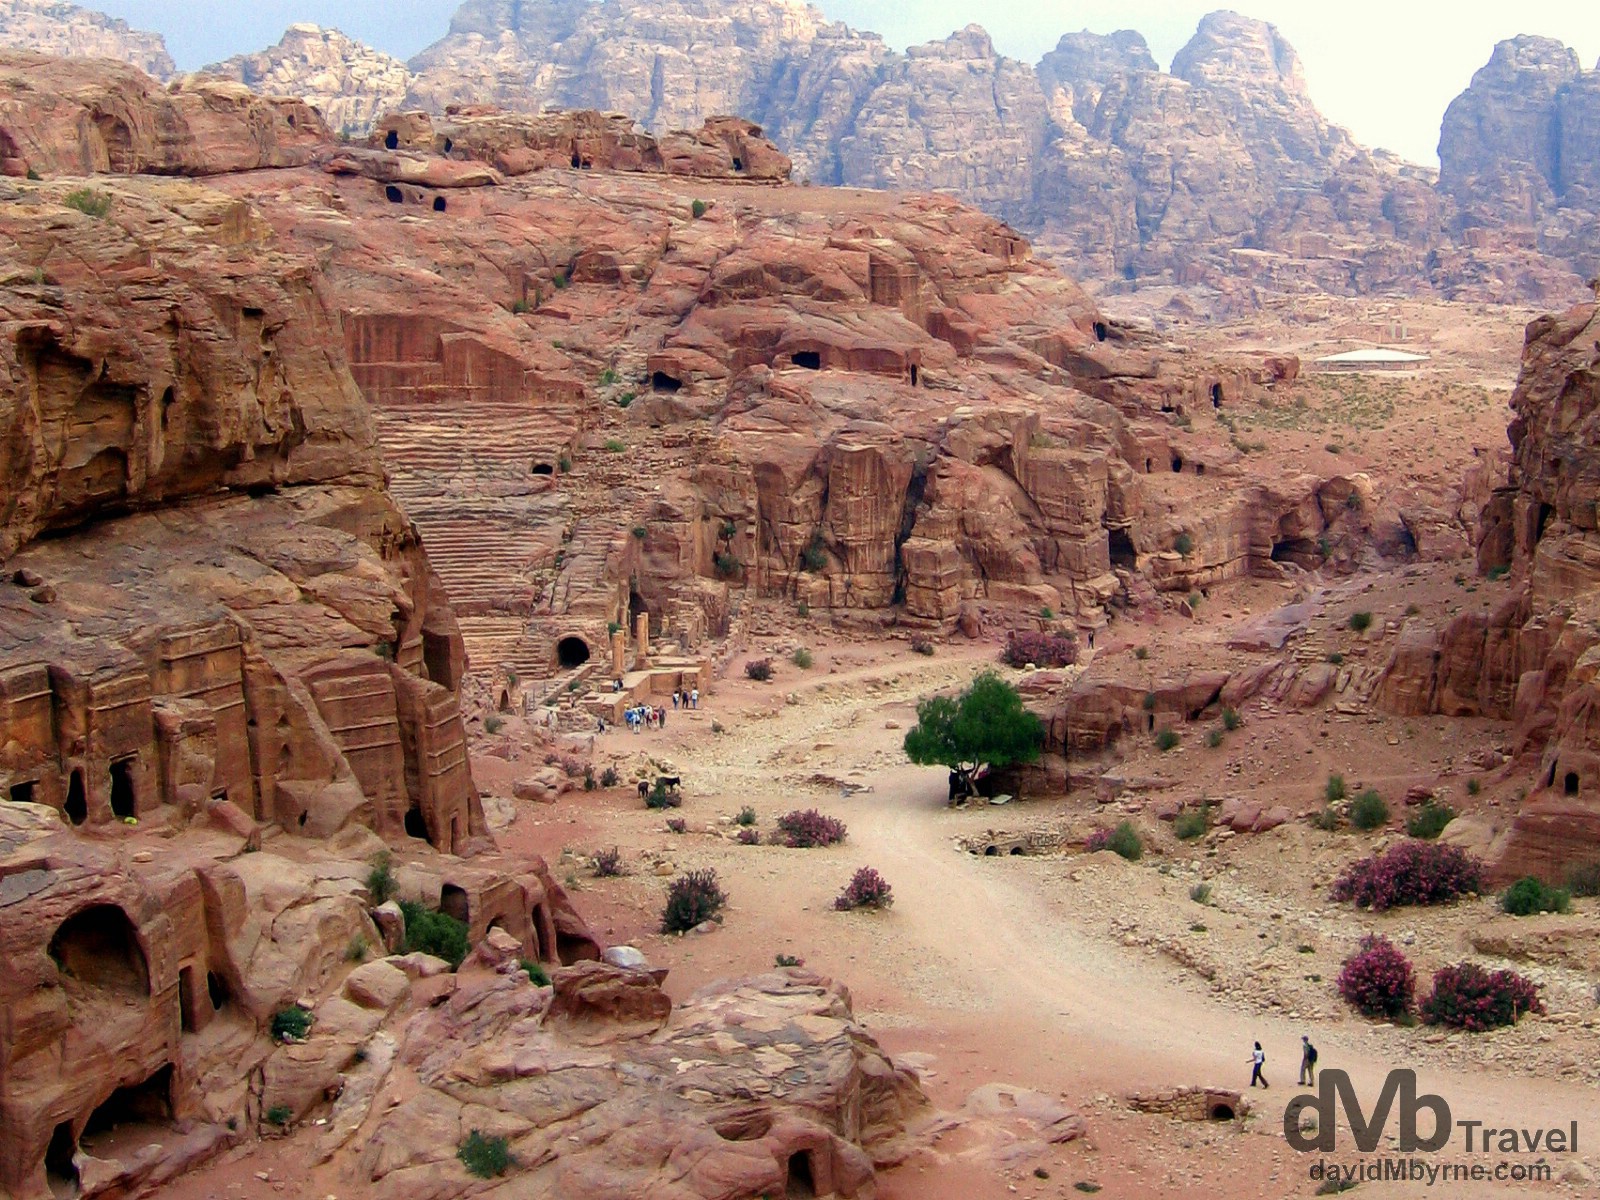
(55, 27)
(1220, 173)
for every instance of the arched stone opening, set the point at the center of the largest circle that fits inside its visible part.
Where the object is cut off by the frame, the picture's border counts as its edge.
(124, 802)
(22, 793)
(393, 194)
(572, 652)
(571, 949)
(800, 1181)
(415, 824)
(1221, 1112)
(1216, 395)
(1569, 785)
(738, 163)
(503, 704)
(543, 468)
(577, 160)
(60, 1169)
(391, 140)
(1120, 547)
(1177, 464)
(217, 991)
(811, 360)
(453, 902)
(100, 947)
(1300, 551)
(77, 806)
(1100, 331)
(118, 140)
(660, 381)
(439, 204)
(146, 1103)
(1149, 465)
(916, 375)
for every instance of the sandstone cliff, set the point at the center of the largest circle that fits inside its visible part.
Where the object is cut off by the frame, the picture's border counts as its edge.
(66, 30)
(1519, 152)
(350, 84)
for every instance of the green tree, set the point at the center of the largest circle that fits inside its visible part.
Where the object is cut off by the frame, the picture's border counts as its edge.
(986, 726)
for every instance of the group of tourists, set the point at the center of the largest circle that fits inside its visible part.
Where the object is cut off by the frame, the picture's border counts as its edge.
(645, 716)
(1308, 1064)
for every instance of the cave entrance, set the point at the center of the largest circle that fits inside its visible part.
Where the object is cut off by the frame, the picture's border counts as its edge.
(1221, 1112)
(1121, 549)
(738, 163)
(1569, 785)
(504, 703)
(436, 658)
(572, 652)
(100, 947)
(77, 806)
(438, 204)
(543, 468)
(118, 139)
(216, 991)
(537, 918)
(916, 375)
(22, 793)
(1300, 551)
(1545, 513)
(811, 360)
(1177, 464)
(453, 902)
(140, 1104)
(1100, 331)
(60, 1169)
(416, 826)
(393, 194)
(391, 140)
(660, 381)
(570, 949)
(801, 1182)
(122, 797)
(1216, 402)
(186, 998)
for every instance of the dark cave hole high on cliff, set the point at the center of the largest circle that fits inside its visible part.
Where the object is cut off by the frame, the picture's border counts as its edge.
(393, 194)
(660, 381)
(810, 360)
(22, 793)
(453, 902)
(77, 806)
(416, 825)
(439, 204)
(1303, 552)
(1120, 546)
(391, 140)
(802, 1183)
(572, 652)
(1100, 331)
(124, 803)
(1569, 785)
(1216, 395)
(99, 946)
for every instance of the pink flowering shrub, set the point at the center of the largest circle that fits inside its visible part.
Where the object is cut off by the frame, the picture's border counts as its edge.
(1466, 996)
(1377, 980)
(803, 830)
(867, 889)
(1024, 646)
(1413, 872)
(748, 836)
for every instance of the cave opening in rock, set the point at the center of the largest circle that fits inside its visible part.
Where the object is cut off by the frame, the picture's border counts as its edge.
(1545, 513)
(801, 1182)
(1149, 465)
(1120, 546)
(536, 918)
(439, 204)
(449, 145)
(60, 1171)
(576, 160)
(1177, 464)
(77, 805)
(393, 194)
(660, 381)
(416, 825)
(1300, 551)
(504, 703)
(543, 468)
(217, 991)
(123, 801)
(186, 999)
(1100, 331)
(391, 140)
(1221, 1112)
(99, 946)
(436, 658)
(453, 902)
(811, 360)
(991, 851)
(118, 140)
(916, 375)
(1216, 395)
(572, 652)
(146, 1103)
(738, 163)
(1569, 785)
(22, 793)
(570, 949)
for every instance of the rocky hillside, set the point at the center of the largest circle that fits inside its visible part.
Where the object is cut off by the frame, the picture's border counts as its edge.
(1519, 152)
(351, 84)
(54, 27)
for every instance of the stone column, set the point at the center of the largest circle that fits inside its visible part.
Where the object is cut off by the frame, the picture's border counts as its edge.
(641, 635)
(619, 653)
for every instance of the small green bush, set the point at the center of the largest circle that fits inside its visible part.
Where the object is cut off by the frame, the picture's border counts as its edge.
(493, 724)
(747, 816)
(814, 558)
(560, 281)
(356, 949)
(758, 669)
(1166, 740)
(699, 209)
(1368, 810)
(640, 532)
(1200, 893)
(1361, 621)
(607, 377)
(1231, 719)
(1334, 790)
(1336, 658)
(1149, 701)
(1141, 653)
(1528, 896)
(1126, 842)
(290, 1024)
(1214, 738)
(1429, 821)
(609, 778)
(1184, 544)
(1473, 787)
(1047, 613)
(435, 933)
(279, 1115)
(626, 399)
(1498, 573)
(615, 446)
(89, 202)
(34, 176)
(608, 862)
(564, 464)
(1327, 820)
(535, 972)
(802, 658)
(787, 960)
(520, 306)
(1192, 824)
(485, 1157)
(381, 883)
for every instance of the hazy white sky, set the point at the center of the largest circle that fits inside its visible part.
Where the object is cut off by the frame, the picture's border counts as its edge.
(1386, 69)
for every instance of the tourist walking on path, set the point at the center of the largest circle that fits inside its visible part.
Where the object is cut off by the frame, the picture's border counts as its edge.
(1258, 1059)
(1308, 1061)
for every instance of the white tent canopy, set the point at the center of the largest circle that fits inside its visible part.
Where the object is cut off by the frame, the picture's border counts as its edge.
(1379, 356)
